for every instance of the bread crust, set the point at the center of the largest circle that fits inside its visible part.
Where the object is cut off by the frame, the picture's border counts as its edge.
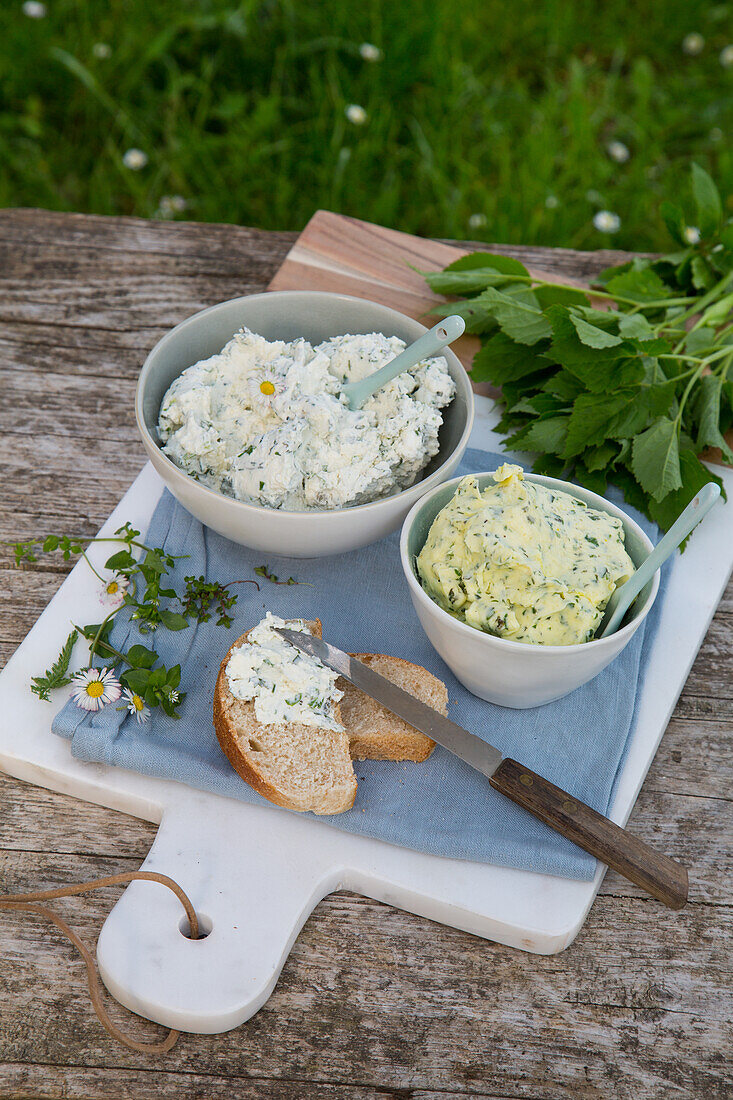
(227, 735)
(398, 742)
(407, 744)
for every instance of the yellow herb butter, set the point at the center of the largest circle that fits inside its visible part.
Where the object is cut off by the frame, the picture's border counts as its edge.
(522, 561)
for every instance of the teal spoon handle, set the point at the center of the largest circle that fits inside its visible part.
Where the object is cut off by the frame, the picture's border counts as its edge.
(445, 332)
(624, 596)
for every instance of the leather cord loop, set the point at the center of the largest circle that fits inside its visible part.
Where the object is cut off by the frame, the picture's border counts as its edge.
(24, 903)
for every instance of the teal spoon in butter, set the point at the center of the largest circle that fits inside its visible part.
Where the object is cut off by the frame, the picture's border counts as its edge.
(687, 521)
(432, 341)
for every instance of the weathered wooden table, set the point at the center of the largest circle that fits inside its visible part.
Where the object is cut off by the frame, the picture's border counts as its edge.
(373, 1002)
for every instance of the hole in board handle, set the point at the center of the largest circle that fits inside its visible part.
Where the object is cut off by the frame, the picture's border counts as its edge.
(205, 926)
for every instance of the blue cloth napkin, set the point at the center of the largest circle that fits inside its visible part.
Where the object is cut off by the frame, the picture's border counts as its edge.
(440, 806)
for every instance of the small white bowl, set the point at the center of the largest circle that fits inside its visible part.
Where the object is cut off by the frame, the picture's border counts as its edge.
(517, 674)
(285, 315)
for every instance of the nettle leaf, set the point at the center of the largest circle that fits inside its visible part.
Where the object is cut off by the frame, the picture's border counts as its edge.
(516, 316)
(501, 360)
(639, 284)
(698, 340)
(559, 295)
(589, 419)
(655, 459)
(674, 219)
(605, 318)
(464, 282)
(726, 405)
(702, 276)
(600, 458)
(718, 312)
(512, 392)
(479, 317)
(649, 403)
(707, 412)
(542, 435)
(694, 477)
(596, 367)
(592, 335)
(595, 480)
(707, 201)
(540, 404)
(634, 326)
(475, 272)
(505, 264)
(549, 466)
(633, 493)
(564, 385)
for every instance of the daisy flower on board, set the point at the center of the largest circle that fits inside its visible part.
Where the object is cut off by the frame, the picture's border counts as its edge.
(112, 592)
(136, 707)
(95, 687)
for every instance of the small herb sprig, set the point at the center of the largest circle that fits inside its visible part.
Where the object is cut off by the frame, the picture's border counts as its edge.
(632, 393)
(139, 584)
(55, 676)
(263, 571)
(203, 598)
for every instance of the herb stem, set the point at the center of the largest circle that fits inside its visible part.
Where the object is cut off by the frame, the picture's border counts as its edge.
(701, 304)
(87, 560)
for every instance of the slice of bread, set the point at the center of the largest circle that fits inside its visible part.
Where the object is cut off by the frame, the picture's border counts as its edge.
(374, 732)
(293, 765)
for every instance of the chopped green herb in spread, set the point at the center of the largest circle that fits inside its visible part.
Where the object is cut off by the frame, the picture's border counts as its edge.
(528, 567)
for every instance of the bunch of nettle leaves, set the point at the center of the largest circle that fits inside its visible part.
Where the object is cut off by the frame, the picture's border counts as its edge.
(137, 584)
(632, 393)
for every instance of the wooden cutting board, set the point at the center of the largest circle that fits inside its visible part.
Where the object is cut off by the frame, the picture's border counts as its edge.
(348, 256)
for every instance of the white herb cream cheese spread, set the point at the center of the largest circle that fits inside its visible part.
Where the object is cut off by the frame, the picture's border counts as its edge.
(286, 684)
(522, 561)
(265, 421)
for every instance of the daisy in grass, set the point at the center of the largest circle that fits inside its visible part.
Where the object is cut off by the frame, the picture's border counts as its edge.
(356, 114)
(136, 706)
(112, 592)
(95, 687)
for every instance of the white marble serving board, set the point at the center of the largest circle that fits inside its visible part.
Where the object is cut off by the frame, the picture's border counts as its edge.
(255, 873)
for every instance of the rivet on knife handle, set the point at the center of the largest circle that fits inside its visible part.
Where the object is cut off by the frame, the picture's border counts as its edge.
(659, 875)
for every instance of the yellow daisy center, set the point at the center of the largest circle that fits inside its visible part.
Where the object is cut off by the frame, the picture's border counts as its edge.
(95, 688)
(112, 587)
(267, 387)
(137, 702)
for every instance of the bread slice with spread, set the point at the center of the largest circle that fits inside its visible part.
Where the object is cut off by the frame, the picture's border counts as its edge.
(290, 727)
(296, 764)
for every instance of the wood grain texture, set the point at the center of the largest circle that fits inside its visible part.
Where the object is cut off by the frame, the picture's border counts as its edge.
(373, 1003)
(344, 255)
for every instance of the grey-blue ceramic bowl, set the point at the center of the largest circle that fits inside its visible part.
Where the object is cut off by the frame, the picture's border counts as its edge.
(285, 315)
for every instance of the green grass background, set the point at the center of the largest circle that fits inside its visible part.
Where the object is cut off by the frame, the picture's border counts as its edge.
(480, 107)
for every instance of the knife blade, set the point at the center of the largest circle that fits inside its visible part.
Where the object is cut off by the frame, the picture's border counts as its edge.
(662, 877)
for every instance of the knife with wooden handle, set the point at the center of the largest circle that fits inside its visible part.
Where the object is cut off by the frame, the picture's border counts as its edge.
(660, 876)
